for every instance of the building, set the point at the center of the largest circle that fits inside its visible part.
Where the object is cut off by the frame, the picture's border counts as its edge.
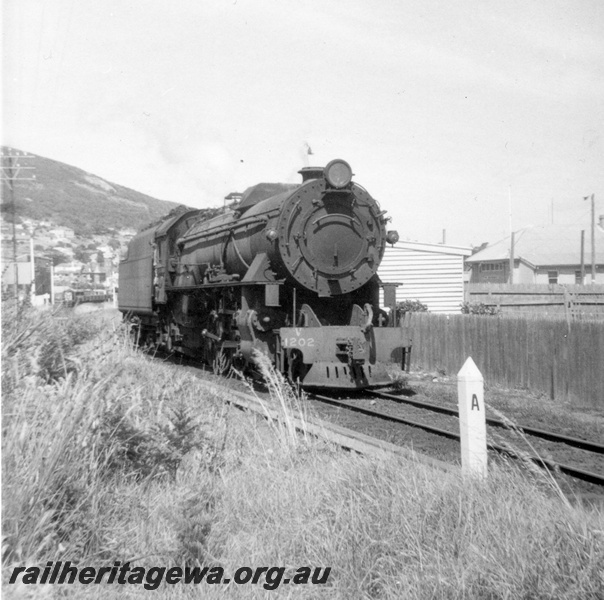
(543, 255)
(430, 273)
(127, 232)
(69, 269)
(23, 273)
(62, 233)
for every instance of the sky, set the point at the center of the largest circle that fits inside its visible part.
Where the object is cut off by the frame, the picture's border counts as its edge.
(469, 117)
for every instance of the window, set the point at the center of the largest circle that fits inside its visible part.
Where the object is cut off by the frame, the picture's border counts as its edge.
(552, 277)
(491, 267)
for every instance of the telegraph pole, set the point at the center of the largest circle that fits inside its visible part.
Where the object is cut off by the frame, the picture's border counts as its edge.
(11, 190)
(512, 244)
(582, 256)
(11, 172)
(593, 237)
(32, 289)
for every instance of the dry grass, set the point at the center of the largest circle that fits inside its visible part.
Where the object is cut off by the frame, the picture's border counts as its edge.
(290, 406)
(122, 458)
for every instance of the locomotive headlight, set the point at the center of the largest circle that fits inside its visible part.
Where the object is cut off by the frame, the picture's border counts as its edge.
(338, 173)
(271, 235)
(392, 237)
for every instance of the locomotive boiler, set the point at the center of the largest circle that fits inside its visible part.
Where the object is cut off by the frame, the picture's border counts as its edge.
(290, 272)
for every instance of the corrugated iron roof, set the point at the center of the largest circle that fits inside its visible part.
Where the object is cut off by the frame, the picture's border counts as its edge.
(548, 245)
(406, 245)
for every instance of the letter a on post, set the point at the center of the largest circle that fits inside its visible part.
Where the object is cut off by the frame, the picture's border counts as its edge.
(472, 424)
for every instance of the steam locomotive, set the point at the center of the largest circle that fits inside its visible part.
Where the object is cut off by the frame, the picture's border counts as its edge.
(290, 272)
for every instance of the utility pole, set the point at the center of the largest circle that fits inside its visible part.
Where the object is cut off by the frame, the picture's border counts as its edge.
(552, 211)
(11, 172)
(510, 206)
(32, 289)
(582, 256)
(593, 237)
(11, 190)
(52, 285)
(512, 243)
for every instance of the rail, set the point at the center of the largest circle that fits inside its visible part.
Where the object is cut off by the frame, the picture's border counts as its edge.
(540, 433)
(550, 465)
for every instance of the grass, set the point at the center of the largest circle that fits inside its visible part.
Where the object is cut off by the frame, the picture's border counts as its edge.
(289, 403)
(108, 455)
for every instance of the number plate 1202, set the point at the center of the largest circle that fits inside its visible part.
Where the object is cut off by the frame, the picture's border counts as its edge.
(298, 340)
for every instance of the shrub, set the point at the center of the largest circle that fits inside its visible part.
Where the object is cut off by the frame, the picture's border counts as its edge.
(79, 427)
(407, 306)
(479, 308)
(400, 379)
(43, 344)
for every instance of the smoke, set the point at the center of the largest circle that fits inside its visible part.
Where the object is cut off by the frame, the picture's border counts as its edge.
(192, 164)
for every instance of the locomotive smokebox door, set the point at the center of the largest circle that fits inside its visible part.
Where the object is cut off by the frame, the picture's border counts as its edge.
(330, 240)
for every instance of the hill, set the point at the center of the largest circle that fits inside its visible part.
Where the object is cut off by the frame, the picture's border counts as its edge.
(71, 197)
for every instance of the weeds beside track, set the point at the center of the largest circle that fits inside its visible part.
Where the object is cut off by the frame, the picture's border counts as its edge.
(110, 456)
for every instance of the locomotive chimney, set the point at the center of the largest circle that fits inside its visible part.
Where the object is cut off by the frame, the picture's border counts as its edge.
(311, 173)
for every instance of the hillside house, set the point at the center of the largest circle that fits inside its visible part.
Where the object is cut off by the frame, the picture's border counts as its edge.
(62, 233)
(431, 273)
(127, 232)
(92, 274)
(68, 253)
(548, 255)
(74, 267)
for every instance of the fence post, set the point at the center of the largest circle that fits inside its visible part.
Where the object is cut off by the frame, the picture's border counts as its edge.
(472, 421)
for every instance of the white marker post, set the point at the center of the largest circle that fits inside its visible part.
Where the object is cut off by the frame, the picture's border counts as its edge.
(472, 421)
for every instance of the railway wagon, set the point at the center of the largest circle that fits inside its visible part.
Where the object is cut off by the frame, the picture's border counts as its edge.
(290, 272)
(73, 297)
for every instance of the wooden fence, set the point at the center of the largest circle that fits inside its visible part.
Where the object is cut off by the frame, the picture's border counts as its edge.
(563, 359)
(573, 301)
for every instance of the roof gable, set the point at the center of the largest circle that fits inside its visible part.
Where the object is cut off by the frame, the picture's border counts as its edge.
(425, 247)
(551, 245)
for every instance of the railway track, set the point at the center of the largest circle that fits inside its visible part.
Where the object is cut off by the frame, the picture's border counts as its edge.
(540, 433)
(582, 474)
(586, 475)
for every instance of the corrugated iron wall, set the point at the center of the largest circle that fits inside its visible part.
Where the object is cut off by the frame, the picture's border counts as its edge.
(435, 278)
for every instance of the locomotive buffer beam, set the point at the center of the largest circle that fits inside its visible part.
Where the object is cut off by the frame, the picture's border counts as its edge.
(344, 357)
